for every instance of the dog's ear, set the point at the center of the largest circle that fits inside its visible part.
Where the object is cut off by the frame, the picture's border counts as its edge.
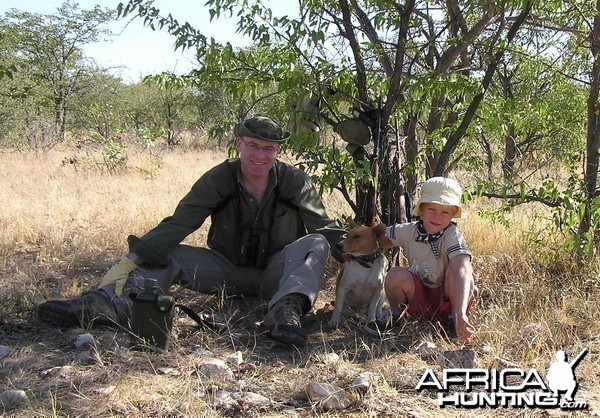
(379, 231)
(351, 222)
(383, 240)
(375, 221)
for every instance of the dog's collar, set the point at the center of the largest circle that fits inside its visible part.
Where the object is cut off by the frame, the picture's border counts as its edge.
(367, 260)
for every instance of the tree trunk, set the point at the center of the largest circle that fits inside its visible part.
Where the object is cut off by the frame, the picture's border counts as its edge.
(510, 153)
(60, 119)
(593, 131)
(411, 149)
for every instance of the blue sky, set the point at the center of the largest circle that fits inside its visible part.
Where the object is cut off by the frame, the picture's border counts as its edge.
(135, 51)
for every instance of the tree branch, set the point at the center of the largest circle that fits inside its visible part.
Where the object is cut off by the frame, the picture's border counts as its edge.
(371, 33)
(361, 73)
(522, 198)
(394, 91)
(472, 109)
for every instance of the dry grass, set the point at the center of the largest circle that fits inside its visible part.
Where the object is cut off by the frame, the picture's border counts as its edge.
(62, 226)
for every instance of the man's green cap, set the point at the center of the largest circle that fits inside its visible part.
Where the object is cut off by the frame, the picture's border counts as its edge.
(262, 128)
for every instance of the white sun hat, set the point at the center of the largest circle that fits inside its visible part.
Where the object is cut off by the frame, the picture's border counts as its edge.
(443, 191)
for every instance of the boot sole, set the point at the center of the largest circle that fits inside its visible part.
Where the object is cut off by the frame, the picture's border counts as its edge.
(52, 316)
(290, 335)
(61, 316)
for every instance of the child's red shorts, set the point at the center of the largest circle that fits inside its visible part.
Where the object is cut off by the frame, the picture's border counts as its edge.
(431, 303)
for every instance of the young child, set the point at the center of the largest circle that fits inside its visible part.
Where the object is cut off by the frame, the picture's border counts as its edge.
(439, 283)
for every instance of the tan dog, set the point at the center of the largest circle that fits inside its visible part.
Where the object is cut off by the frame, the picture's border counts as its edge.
(360, 283)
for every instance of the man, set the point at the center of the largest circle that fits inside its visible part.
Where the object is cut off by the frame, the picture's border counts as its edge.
(270, 237)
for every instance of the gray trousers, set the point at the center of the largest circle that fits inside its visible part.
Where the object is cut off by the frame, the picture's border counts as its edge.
(298, 268)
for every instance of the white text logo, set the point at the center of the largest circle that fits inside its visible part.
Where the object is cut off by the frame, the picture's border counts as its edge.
(513, 387)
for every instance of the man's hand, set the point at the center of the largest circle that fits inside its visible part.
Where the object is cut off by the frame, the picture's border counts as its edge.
(118, 274)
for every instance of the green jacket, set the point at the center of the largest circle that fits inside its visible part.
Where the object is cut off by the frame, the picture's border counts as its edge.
(243, 231)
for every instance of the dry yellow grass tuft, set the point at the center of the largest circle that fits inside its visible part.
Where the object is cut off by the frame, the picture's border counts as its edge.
(64, 221)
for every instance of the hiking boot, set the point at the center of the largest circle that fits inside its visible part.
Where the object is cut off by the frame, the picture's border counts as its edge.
(92, 309)
(283, 320)
(384, 324)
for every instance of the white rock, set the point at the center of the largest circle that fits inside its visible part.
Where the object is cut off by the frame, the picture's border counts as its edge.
(242, 400)
(529, 330)
(223, 399)
(106, 390)
(330, 397)
(88, 357)
(11, 399)
(331, 358)
(502, 363)
(235, 359)
(85, 341)
(4, 351)
(459, 359)
(216, 369)
(202, 352)
(169, 371)
(428, 351)
(250, 399)
(66, 372)
(364, 381)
